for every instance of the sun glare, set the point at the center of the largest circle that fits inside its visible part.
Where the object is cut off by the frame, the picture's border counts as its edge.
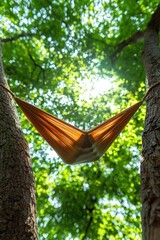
(94, 87)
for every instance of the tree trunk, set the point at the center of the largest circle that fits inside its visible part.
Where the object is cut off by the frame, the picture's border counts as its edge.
(17, 193)
(150, 166)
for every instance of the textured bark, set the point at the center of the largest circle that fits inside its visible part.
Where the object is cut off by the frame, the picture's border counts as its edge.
(150, 166)
(17, 194)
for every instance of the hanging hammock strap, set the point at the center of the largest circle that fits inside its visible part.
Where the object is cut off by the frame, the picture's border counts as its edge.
(13, 95)
(149, 90)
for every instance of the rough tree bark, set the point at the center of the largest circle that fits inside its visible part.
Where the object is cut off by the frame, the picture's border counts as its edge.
(17, 194)
(150, 166)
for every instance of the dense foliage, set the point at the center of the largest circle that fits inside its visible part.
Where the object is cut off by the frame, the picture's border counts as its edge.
(55, 55)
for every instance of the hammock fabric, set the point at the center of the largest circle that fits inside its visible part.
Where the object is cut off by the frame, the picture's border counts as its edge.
(72, 144)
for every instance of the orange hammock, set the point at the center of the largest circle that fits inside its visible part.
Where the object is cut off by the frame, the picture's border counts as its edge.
(72, 144)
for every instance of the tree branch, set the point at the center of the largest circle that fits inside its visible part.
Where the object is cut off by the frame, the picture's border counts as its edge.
(41, 69)
(153, 23)
(17, 36)
(89, 223)
(131, 40)
(87, 228)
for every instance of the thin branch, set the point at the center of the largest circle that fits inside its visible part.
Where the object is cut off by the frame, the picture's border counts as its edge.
(41, 69)
(87, 228)
(17, 36)
(34, 62)
(91, 209)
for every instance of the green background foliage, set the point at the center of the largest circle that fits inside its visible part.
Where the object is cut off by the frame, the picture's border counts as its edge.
(53, 53)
